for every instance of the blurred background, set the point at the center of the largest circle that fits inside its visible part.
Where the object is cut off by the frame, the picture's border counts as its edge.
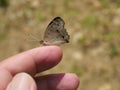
(94, 27)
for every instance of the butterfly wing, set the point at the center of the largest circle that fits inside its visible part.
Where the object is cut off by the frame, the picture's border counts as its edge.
(56, 33)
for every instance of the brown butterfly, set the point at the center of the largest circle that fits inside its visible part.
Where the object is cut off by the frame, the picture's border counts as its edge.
(55, 33)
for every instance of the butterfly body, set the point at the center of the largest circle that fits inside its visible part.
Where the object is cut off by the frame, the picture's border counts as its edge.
(55, 33)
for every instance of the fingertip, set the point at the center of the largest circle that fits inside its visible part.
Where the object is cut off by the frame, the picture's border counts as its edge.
(47, 57)
(61, 81)
(22, 81)
(55, 50)
(33, 61)
(70, 81)
(74, 80)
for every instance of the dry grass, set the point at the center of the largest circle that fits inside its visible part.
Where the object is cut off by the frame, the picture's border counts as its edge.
(94, 26)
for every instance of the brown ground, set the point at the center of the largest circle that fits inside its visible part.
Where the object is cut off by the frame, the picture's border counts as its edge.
(94, 26)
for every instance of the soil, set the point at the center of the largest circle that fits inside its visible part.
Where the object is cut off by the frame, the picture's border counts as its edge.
(94, 27)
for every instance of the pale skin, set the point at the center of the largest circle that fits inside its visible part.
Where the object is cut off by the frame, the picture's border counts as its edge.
(17, 72)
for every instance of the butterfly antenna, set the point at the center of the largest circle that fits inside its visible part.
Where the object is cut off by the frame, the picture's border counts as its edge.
(34, 38)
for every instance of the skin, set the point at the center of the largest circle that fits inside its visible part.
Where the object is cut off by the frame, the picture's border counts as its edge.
(17, 72)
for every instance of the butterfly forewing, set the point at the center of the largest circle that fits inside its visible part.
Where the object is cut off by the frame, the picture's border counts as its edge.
(56, 33)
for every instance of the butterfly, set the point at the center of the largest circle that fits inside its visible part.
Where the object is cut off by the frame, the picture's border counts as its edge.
(55, 33)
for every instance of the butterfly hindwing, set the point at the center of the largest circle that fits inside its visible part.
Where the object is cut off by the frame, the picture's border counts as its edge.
(55, 32)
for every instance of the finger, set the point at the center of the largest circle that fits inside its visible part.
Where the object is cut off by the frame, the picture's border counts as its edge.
(33, 61)
(22, 81)
(58, 82)
(5, 78)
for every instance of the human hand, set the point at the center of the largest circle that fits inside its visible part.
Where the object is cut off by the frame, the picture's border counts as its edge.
(17, 72)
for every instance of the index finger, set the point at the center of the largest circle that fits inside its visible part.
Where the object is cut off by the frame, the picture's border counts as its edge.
(33, 61)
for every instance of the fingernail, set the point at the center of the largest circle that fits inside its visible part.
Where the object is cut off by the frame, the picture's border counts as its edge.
(22, 81)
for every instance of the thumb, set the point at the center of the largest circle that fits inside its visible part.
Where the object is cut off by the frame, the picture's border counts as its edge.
(22, 81)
